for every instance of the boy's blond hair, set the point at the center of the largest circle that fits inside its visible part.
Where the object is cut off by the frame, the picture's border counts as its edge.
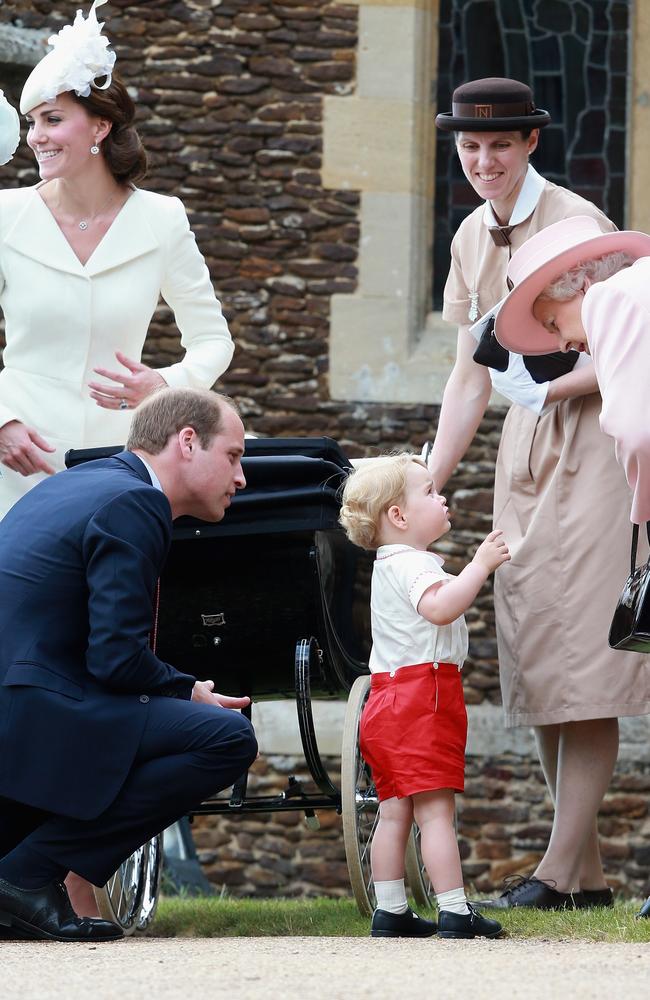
(369, 492)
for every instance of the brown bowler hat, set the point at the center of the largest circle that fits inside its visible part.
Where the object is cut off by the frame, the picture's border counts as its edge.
(494, 104)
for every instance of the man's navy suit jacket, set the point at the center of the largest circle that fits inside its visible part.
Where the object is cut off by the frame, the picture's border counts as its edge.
(80, 556)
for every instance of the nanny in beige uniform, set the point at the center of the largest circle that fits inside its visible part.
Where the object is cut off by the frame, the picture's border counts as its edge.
(84, 259)
(560, 497)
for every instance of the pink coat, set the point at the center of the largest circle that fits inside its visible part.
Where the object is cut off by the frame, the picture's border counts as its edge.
(616, 318)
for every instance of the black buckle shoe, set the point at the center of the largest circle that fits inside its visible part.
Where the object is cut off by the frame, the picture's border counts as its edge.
(467, 925)
(408, 924)
(47, 914)
(586, 899)
(528, 891)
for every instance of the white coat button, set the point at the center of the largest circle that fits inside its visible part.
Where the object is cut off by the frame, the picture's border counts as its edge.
(144, 698)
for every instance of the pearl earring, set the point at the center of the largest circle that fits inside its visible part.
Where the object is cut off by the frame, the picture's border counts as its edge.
(94, 150)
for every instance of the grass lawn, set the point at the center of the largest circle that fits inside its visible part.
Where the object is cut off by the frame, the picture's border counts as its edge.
(225, 917)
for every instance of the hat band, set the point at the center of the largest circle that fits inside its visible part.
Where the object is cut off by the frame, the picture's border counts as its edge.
(492, 110)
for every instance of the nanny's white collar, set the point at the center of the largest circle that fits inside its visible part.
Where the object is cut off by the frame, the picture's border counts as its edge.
(531, 191)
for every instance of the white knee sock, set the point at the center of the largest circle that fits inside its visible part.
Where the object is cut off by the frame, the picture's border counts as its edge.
(391, 896)
(453, 901)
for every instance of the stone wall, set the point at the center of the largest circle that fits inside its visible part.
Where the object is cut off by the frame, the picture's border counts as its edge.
(504, 822)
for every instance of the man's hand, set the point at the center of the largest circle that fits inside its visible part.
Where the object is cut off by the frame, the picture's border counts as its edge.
(492, 552)
(203, 691)
(21, 447)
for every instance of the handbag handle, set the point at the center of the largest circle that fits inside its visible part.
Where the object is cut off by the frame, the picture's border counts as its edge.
(635, 542)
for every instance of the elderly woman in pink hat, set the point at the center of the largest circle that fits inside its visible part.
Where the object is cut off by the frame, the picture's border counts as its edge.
(579, 289)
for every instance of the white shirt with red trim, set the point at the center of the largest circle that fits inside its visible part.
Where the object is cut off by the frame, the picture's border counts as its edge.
(401, 636)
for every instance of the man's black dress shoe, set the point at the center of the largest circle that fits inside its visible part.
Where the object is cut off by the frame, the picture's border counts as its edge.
(645, 909)
(587, 898)
(47, 914)
(467, 925)
(407, 924)
(531, 892)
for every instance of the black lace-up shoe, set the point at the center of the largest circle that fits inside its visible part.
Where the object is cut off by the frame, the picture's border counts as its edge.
(588, 898)
(467, 925)
(47, 914)
(531, 892)
(408, 924)
(644, 912)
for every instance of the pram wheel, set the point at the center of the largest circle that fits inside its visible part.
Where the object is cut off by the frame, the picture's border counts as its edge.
(130, 896)
(361, 813)
(359, 801)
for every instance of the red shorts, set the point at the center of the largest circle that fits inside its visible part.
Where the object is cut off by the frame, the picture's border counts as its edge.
(414, 729)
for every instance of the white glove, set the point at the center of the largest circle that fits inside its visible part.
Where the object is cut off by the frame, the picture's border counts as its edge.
(519, 386)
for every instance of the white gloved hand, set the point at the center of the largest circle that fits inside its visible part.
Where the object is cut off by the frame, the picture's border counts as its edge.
(519, 386)
(9, 130)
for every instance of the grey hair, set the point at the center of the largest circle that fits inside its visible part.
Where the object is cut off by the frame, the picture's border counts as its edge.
(567, 285)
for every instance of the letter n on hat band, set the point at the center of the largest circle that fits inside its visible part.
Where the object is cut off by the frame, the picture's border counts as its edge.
(510, 110)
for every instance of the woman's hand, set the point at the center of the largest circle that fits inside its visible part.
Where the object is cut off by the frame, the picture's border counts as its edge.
(133, 385)
(20, 448)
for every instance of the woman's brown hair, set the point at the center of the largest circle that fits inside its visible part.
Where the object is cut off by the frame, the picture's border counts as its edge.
(122, 148)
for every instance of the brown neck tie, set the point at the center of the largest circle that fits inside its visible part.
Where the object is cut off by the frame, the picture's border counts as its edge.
(501, 235)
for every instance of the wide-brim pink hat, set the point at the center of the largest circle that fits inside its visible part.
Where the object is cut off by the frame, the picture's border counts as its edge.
(542, 259)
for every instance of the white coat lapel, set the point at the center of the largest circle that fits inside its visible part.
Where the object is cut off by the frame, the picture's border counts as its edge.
(130, 236)
(35, 234)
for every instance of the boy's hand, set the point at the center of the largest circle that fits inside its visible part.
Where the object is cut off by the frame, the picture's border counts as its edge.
(492, 552)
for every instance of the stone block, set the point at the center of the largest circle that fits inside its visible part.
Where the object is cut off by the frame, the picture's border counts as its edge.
(525, 864)
(625, 804)
(370, 145)
(493, 850)
(394, 58)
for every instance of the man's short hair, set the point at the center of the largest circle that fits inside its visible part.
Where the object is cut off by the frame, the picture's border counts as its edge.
(167, 411)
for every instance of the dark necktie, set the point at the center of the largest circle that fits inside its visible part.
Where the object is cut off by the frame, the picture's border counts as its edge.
(500, 235)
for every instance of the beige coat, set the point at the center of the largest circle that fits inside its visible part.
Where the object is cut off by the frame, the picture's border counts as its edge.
(564, 506)
(63, 318)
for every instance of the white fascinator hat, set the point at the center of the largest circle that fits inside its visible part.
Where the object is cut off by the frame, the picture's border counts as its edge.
(9, 130)
(79, 56)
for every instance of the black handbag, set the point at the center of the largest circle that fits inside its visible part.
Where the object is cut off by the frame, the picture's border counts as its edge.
(542, 367)
(489, 351)
(630, 628)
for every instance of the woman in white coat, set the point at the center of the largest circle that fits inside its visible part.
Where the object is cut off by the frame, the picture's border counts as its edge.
(84, 258)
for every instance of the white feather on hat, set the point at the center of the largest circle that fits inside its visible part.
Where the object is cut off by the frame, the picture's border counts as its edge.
(79, 56)
(9, 130)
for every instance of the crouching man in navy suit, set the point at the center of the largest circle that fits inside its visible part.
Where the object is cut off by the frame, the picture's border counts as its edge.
(102, 744)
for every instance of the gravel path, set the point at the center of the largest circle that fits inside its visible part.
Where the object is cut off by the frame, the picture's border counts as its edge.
(332, 968)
